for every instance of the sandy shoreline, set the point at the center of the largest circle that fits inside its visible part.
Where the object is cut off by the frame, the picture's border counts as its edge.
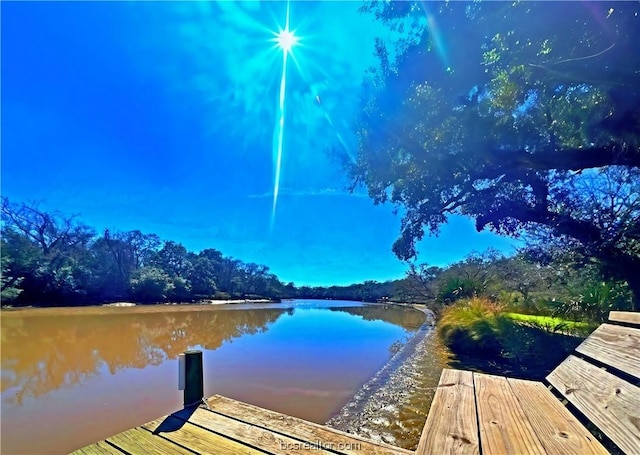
(200, 302)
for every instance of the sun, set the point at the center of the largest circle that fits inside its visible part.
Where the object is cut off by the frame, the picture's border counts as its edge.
(286, 39)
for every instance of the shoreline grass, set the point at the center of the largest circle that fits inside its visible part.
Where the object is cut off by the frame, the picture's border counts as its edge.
(553, 324)
(484, 338)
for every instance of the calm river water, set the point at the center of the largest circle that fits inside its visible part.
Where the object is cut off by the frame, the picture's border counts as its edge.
(73, 376)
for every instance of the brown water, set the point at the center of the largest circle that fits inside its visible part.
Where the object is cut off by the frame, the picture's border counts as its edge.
(392, 406)
(73, 376)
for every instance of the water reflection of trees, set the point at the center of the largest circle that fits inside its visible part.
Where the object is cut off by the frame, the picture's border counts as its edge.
(404, 317)
(45, 353)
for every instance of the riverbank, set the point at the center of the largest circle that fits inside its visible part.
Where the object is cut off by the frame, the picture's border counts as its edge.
(392, 406)
(199, 302)
(203, 302)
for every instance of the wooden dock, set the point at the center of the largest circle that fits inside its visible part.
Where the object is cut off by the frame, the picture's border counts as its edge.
(229, 427)
(476, 413)
(472, 413)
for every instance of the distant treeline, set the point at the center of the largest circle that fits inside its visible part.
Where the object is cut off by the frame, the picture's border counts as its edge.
(51, 259)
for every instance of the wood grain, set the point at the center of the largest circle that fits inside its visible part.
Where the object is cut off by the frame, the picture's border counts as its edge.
(300, 429)
(504, 427)
(247, 430)
(141, 441)
(197, 439)
(252, 435)
(616, 346)
(100, 447)
(611, 403)
(452, 424)
(557, 429)
(625, 316)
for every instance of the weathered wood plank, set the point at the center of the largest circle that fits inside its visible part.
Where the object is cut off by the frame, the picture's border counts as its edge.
(197, 439)
(100, 447)
(611, 403)
(141, 441)
(301, 429)
(616, 346)
(504, 427)
(452, 425)
(557, 429)
(251, 435)
(625, 316)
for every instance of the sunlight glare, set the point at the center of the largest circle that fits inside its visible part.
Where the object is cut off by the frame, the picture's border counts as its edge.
(286, 39)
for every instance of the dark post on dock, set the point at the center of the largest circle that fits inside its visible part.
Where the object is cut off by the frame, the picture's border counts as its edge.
(191, 377)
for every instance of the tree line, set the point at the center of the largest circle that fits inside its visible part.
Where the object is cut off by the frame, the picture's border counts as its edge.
(49, 258)
(52, 259)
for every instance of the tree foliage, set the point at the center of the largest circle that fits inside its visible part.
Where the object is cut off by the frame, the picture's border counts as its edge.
(51, 259)
(88, 268)
(524, 116)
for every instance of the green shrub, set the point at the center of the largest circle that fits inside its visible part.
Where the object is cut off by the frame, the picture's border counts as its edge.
(150, 284)
(485, 338)
(456, 288)
(469, 327)
(181, 289)
(592, 302)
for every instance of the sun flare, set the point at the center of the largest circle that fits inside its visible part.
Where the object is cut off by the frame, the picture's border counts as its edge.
(286, 39)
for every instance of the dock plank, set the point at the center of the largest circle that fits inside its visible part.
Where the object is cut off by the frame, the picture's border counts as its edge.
(611, 403)
(614, 345)
(98, 448)
(452, 424)
(504, 427)
(138, 440)
(301, 429)
(557, 429)
(258, 437)
(196, 438)
(625, 316)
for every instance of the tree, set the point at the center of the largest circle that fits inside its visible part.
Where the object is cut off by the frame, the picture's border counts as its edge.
(45, 251)
(231, 274)
(114, 258)
(10, 281)
(254, 278)
(274, 288)
(173, 259)
(123, 260)
(216, 258)
(151, 284)
(523, 116)
(203, 276)
(48, 258)
(419, 283)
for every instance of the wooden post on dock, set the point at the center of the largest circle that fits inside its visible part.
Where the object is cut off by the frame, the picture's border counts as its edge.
(191, 377)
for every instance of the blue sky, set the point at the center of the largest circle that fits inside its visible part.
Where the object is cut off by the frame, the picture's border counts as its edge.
(162, 116)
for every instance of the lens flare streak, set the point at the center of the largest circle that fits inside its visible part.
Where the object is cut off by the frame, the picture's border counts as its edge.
(285, 40)
(279, 134)
(436, 36)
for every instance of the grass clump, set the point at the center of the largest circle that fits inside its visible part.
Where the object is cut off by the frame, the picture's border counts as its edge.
(554, 324)
(484, 338)
(471, 327)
